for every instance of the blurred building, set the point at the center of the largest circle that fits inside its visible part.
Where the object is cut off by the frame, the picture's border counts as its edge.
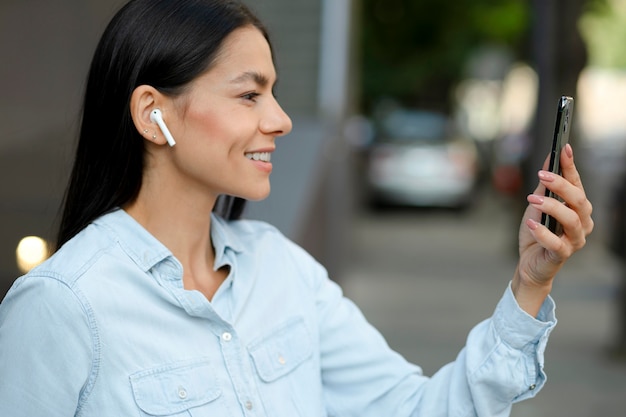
(46, 48)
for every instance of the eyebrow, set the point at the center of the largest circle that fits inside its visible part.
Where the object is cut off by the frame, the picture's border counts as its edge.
(257, 77)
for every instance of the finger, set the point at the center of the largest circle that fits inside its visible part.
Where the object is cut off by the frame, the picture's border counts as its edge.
(568, 167)
(574, 232)
(557, 249)
(575, 226)
(533, 210)
(574, 196)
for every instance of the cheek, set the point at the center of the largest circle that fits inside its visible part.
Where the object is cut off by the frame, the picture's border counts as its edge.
(206, 123)
(197, 132)
(217, 126)
(214, 142)
(199, 121)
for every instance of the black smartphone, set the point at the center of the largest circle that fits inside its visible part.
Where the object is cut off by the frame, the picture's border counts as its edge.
(562, 127)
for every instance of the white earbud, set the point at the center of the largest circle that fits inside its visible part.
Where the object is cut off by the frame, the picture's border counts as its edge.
(157, 117)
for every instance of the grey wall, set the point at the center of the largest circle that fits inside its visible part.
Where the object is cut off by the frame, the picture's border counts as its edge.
(294, 27)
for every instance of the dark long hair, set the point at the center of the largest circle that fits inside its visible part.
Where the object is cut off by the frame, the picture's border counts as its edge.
(162, 43)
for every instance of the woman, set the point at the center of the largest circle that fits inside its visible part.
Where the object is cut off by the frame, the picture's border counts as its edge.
(154, 306)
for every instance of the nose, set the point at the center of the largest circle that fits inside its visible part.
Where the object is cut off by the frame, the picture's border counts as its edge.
(275, 121)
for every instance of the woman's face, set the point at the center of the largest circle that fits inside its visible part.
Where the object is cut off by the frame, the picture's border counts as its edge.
(228, 120)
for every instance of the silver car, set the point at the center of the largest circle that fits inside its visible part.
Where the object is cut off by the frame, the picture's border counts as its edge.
(419, 159)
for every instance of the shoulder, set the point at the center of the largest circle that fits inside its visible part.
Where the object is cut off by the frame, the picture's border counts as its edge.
(75, 257)
(52, 285)
(110, 242)
(42, 308)
(57, 278)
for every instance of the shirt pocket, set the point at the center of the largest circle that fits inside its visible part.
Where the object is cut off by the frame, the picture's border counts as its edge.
(282, 351)
(177, 389)
(284, 363)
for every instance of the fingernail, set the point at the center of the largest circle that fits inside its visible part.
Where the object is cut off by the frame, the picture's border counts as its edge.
(535, 199)
(532, 224)
(569, 151)
(546, 176)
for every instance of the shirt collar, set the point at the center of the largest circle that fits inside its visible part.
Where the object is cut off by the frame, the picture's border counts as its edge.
(147, 251)
(223, 237)
(143, 248)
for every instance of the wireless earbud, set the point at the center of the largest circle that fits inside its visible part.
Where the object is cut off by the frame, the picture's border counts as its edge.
(157, 117)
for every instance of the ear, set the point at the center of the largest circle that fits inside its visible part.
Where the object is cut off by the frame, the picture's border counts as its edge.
(143, 100)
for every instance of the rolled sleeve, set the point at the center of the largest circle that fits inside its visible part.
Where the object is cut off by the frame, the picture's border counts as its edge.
(518, 328)
(515, 342)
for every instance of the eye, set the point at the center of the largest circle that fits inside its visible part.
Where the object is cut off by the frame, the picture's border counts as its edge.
(250, 96)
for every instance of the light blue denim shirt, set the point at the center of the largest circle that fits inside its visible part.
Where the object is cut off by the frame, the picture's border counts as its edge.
(105, 328)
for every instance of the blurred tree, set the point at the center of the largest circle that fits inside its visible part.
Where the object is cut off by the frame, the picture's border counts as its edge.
(558, 54)
(603, 20)
(415, 50)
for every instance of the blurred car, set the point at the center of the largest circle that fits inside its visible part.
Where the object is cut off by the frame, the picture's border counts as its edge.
(419, 159)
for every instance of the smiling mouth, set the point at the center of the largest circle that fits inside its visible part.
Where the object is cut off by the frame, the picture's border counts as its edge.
(259, 156)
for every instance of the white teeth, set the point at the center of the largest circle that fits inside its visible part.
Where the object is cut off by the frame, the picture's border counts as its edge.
(259, 156)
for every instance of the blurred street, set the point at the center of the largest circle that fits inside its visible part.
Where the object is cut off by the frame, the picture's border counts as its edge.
(424, 278)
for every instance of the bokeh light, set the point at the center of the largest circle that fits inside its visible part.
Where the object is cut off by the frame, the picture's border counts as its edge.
(31, 251)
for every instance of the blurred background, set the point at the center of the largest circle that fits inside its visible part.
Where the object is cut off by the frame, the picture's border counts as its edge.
(419, 126)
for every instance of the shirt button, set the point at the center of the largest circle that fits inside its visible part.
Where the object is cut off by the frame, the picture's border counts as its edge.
(226, 337)
(249, 405)
(532, 387)
(282, 360)
(182, 393)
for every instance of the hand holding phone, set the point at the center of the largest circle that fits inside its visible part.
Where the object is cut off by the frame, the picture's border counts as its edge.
(564, 113)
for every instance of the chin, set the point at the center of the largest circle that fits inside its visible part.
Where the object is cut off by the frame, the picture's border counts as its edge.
(257, 196)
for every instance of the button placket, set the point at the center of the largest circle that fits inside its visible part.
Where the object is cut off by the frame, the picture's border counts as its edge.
(231, 350)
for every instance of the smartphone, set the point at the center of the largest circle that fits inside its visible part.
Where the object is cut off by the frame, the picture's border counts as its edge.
(562, 127)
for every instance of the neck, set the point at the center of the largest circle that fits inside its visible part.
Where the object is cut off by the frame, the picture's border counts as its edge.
(177, 211)
(181, 222)
(186, 232)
